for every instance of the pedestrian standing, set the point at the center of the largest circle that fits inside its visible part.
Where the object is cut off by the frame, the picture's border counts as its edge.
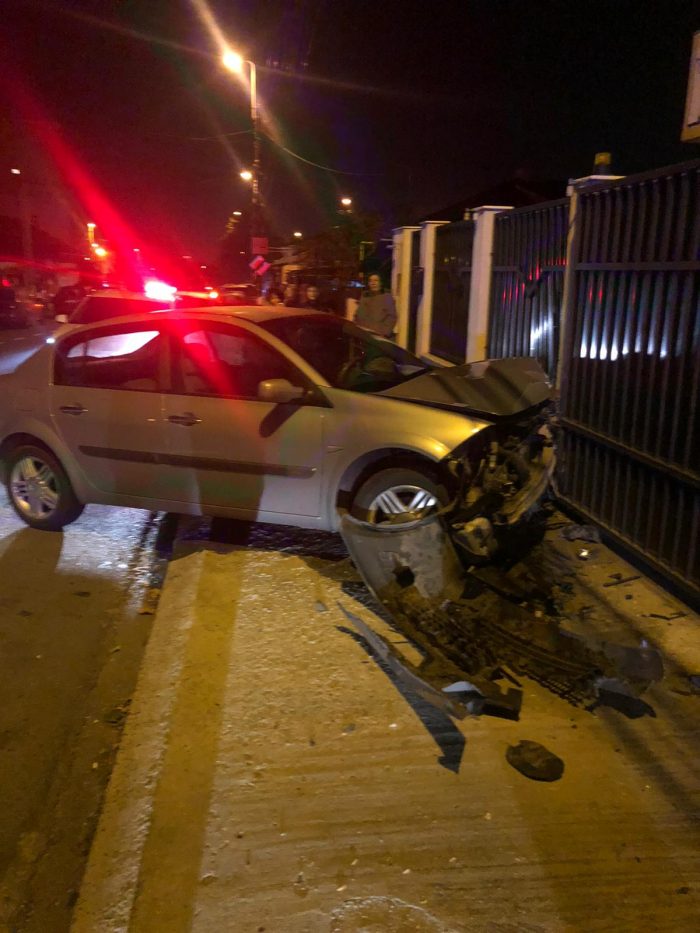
(291, 295)
(312, 302)
(376, 310)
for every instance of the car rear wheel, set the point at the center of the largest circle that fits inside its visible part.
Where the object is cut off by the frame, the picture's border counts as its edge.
(39, 489)
(398, 496)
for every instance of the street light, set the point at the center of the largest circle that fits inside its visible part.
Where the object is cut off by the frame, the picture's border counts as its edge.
(298, 234)
(346, 202)
(15, 171)
(234, 62)
(237, 214)
(246, 175)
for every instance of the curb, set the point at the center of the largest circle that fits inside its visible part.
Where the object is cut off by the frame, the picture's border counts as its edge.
(110, 882)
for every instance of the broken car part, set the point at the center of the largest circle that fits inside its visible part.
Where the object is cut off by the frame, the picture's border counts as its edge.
(415, 572)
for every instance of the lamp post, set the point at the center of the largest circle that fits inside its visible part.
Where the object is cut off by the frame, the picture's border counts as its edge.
(234, 62)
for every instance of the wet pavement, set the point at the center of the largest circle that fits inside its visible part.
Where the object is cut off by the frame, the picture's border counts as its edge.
(74, 619)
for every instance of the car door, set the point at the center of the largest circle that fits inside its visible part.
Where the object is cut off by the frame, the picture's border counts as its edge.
(227, 447)
(107, 405)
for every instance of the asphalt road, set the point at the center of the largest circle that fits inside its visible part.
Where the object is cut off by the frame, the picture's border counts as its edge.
(75, 614)
(73, 626)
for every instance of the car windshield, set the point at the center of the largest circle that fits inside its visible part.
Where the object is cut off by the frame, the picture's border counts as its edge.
(347, 356)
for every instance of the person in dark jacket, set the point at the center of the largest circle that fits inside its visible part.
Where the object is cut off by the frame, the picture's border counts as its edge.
(312, 301)
(376, 310)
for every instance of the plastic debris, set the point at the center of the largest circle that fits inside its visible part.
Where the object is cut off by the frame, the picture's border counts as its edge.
(534, 761)
(581, 533)
(583, 554)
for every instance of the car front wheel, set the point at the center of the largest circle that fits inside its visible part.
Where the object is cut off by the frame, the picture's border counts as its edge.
(398, 496)
(39, 489)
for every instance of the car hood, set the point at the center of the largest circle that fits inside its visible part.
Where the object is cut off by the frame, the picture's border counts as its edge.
(493, 389)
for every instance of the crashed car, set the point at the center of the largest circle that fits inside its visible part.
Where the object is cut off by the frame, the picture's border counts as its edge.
(284, 416)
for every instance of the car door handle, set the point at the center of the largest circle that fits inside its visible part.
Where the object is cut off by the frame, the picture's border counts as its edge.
(72, 409)
(187, 420)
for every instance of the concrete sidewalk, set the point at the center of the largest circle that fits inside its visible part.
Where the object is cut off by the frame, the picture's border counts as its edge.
(272, 777)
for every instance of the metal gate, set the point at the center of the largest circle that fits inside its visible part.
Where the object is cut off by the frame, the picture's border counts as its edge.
(630, 407)
(451, 285)
(529, 259)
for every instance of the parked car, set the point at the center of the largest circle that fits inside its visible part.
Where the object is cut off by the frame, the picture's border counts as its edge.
(66, 299)
(112, 303)
(285, 416)
(243, 294)
(108, 303)
(12, 312)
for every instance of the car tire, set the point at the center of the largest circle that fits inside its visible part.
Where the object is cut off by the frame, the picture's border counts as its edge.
(394, 495)
(39, 489)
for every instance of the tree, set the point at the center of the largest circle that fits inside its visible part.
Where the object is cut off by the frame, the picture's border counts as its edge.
(344, 246)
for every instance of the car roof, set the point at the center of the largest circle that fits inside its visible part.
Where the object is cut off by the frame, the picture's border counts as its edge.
(254, 314)
(259, 314)
(118, 293)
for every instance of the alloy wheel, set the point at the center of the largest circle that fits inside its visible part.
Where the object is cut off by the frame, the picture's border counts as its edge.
(34, 488)
(404, 502)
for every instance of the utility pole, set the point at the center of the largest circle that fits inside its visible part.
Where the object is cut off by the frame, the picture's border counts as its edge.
(25, 212)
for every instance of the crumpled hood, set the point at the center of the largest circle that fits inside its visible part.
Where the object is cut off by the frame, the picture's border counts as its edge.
(491, 388)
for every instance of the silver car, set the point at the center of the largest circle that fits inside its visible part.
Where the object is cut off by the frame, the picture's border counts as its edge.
(281, 416)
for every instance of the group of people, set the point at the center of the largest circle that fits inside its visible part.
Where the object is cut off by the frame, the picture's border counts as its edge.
(376, 310)
(291, 298)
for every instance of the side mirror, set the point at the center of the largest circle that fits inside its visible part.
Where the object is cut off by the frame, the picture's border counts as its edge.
(280, 391)
(61, 319)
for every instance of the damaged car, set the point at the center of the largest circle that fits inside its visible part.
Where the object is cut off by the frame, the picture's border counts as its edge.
(284, 416)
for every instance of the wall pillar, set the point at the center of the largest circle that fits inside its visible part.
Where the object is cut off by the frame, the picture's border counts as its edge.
(480, 289)
(401, 280)
(425, 307)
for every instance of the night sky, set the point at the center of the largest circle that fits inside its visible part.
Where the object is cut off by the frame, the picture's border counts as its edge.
(422, 103)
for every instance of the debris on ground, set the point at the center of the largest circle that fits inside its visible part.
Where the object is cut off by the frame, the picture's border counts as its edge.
(618, 579)
(584, 553)
(535, 761)
(484, 624)
(581, 533)
(440, 682)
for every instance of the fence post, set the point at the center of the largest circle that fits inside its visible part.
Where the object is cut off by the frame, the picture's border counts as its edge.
(480, 289)
(425, 307)
(565, 332)
(401, 280)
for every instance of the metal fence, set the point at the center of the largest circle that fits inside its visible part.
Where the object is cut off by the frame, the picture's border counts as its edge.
(451, 285)
(527, 281)
(630, 406)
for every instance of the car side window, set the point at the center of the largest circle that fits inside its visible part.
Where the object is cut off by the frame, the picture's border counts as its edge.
(116, 359)
(227, 362)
